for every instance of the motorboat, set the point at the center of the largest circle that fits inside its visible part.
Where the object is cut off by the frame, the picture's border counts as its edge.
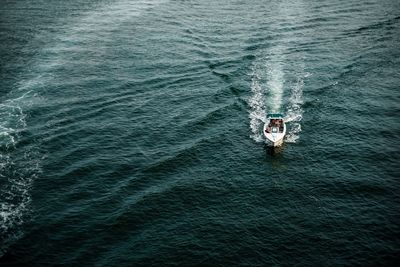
(275, 129)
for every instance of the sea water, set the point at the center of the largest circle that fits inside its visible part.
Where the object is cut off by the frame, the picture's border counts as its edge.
(131, 133)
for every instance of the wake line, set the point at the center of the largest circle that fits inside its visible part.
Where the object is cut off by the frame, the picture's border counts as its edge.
(275, 87)
(294, 111)
(267, 92)
(16, 169)
(267, 87)
(19, 165)
(257, 105)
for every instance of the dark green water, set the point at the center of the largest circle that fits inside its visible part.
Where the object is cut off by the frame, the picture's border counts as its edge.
(131, 133)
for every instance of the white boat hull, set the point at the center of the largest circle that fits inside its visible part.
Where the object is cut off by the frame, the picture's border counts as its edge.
(274, 138)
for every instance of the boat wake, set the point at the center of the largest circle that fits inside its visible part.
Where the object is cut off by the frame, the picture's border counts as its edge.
(268, 96)
(258, 108)
(19, 165)
(294, 111)
(267, 80)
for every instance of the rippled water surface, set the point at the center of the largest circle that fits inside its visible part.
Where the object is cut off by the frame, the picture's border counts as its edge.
(131, 133)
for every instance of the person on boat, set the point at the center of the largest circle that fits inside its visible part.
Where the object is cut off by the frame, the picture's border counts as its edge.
(280, 125)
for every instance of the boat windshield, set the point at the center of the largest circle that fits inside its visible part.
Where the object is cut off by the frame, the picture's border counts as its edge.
(275, 126)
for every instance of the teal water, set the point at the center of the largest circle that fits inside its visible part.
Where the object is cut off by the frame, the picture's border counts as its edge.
(131, 133)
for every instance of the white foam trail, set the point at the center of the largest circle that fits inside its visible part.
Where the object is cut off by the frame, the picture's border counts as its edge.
(12, 121)
(275, 78)
(275, 86)
(267, 92)
(17, 170)
(257, 105)
(267, 86)
(294, 111)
